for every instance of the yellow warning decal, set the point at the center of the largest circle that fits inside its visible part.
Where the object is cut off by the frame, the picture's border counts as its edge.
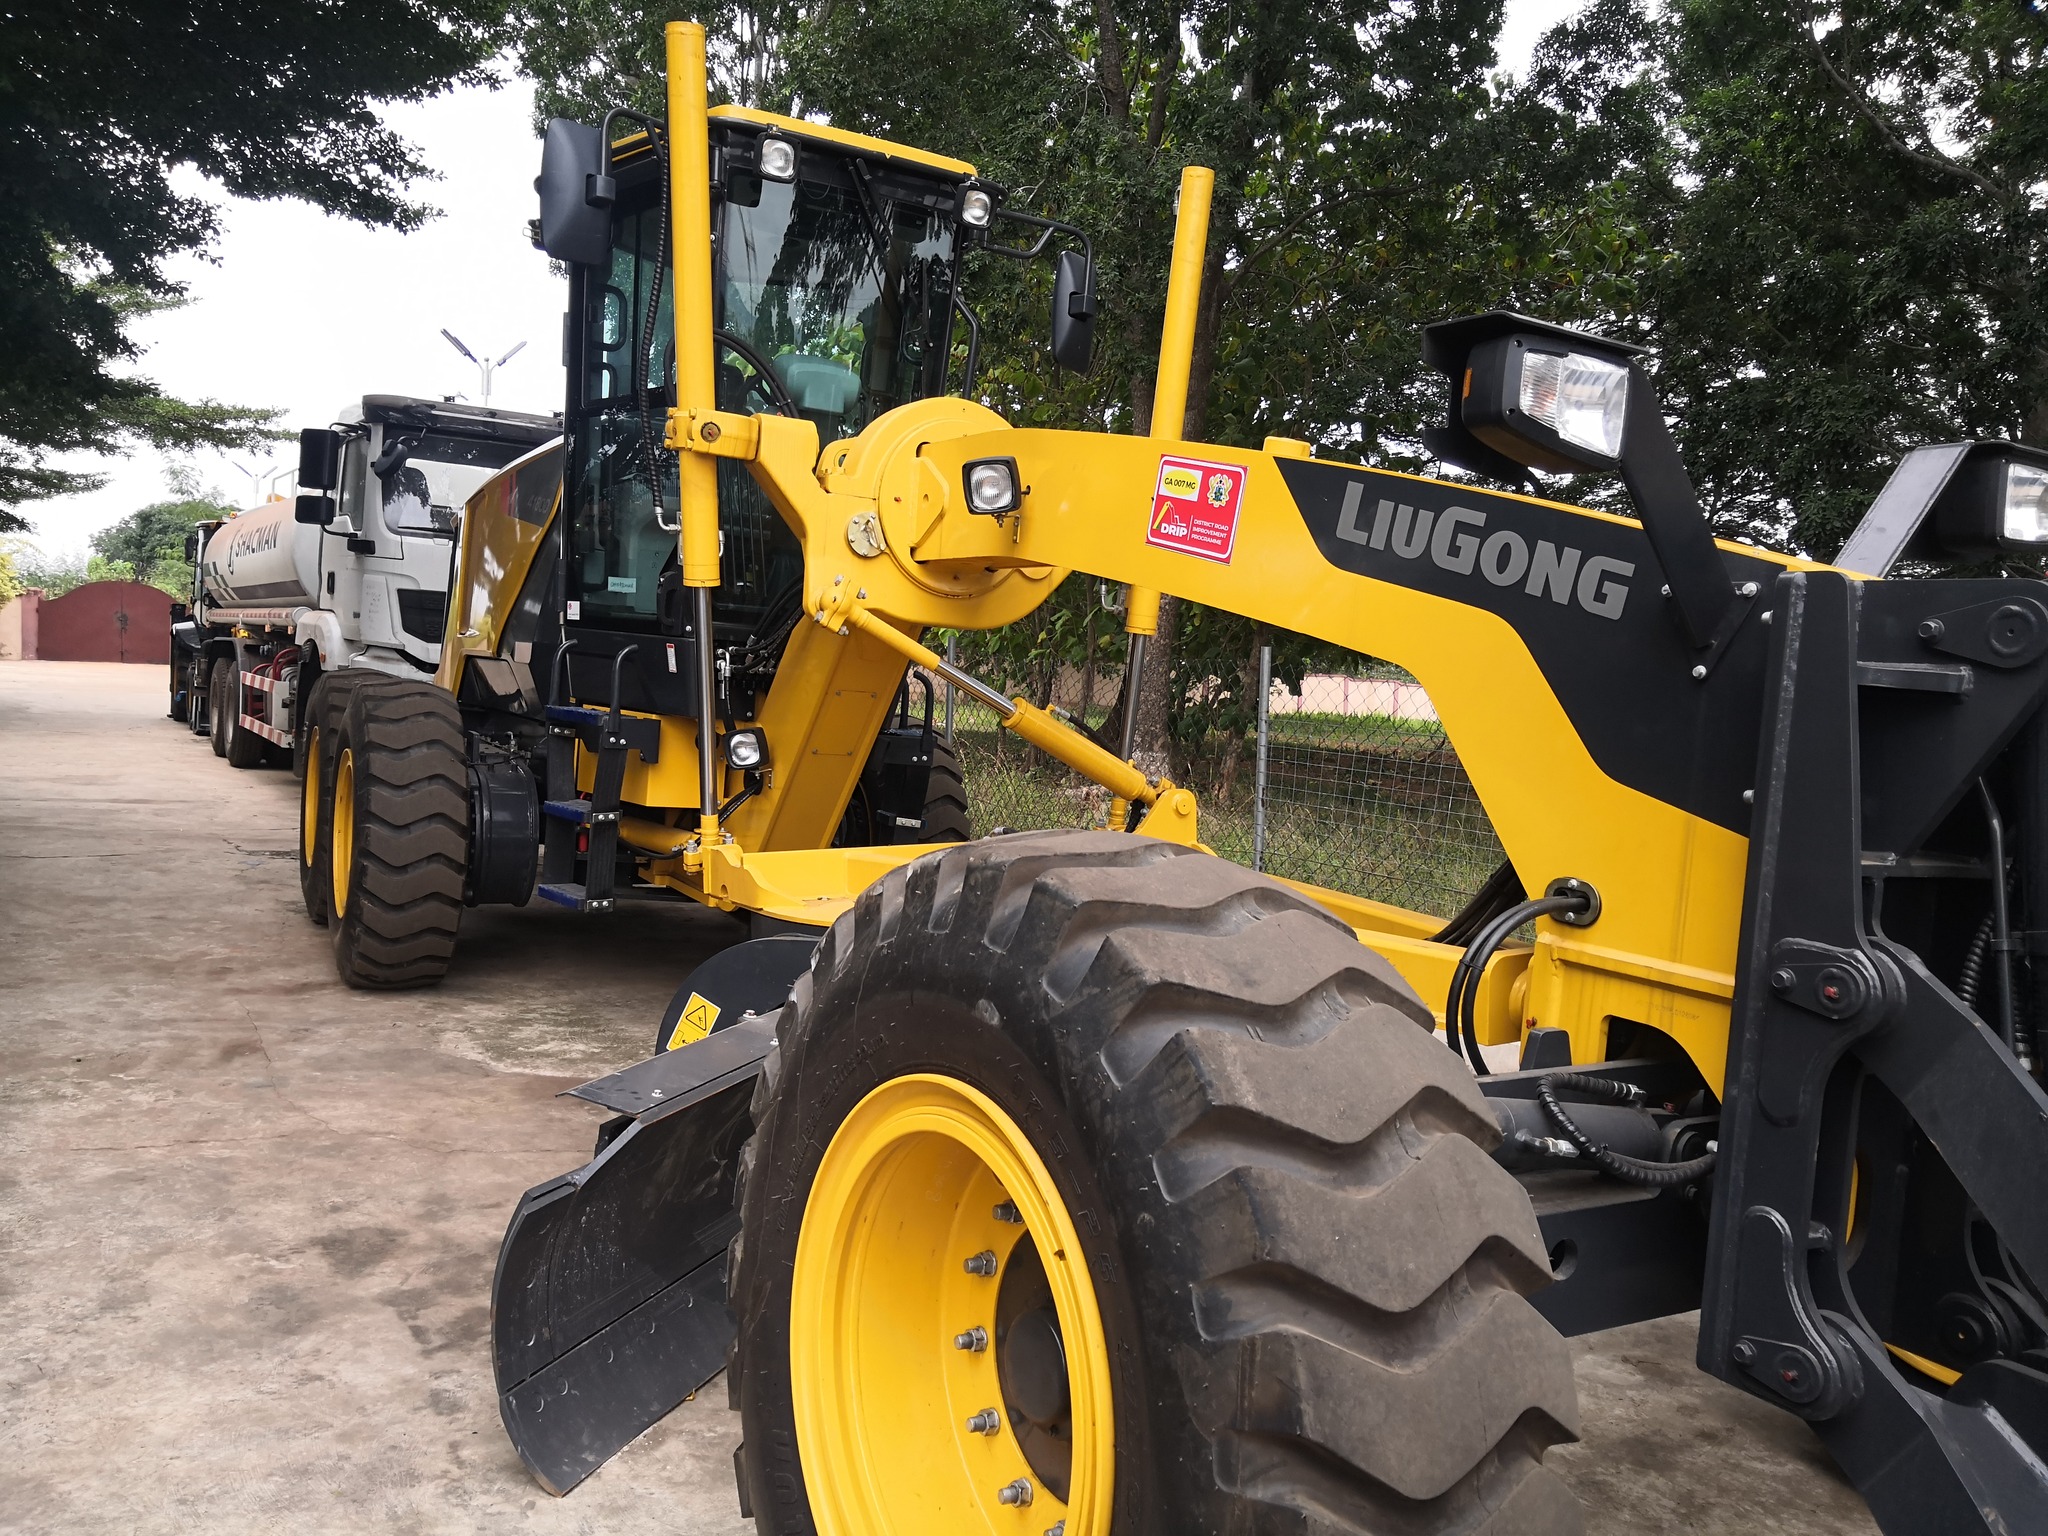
(700, 1014)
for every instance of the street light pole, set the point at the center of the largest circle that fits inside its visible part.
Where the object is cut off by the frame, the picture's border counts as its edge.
(485, 366)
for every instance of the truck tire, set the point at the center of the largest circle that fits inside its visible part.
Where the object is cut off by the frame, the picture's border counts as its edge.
(220, 701)
(1288, 1285)
(321, 719)
(398, 834)
(945, 799)
(181, 700)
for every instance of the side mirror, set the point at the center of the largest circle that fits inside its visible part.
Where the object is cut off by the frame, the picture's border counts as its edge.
(313, 509)
(180, 613)
(1073, 312)
(319, 459)
(395, 453)
(193, 544)
(575, 194)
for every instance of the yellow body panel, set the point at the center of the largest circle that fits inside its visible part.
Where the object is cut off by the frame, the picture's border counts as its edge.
(495, 551)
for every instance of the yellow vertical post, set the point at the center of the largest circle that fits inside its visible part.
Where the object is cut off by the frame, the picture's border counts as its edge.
(1169, 407)
(689, 171)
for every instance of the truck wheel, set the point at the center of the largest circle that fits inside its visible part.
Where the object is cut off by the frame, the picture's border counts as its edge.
(220, 702)
(398, 834)
(1099, 1174)
(181, 701)
(945, 799)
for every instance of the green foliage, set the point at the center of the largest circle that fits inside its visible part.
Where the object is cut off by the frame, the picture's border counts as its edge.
(52, 575)
(11, 584)
(150, 543)
(265, 98)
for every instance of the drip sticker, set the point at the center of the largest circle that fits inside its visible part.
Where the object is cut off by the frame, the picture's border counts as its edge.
(1194, 508)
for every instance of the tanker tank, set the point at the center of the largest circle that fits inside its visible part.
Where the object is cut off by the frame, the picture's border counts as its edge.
(262, 558)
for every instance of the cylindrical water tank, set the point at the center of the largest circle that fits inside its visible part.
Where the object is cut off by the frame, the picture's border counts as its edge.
(263, 557)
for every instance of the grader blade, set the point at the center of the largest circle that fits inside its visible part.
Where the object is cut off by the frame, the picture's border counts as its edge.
(608, 1307)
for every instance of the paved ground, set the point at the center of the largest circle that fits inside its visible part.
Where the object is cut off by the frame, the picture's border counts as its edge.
(248, 1218)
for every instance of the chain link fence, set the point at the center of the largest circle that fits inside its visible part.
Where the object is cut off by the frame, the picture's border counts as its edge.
(1349, 783)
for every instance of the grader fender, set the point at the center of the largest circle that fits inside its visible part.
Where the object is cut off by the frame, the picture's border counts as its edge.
(608, 1307)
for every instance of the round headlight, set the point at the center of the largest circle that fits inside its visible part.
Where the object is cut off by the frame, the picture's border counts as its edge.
(745, 749)
(991, 488)
(975, 207)
(778, 160)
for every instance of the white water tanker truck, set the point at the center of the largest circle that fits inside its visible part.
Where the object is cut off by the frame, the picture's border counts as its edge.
(349, 578)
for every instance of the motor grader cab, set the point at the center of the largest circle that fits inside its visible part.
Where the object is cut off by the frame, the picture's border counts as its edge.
(1082, 1181)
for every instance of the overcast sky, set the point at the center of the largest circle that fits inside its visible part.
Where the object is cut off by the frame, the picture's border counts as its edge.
(302, 312)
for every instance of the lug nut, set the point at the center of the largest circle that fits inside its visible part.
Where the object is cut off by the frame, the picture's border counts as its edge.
(986, 1422)
(1007, 1211)
(974, 1339)
(1018, 1493)
(982, 1263)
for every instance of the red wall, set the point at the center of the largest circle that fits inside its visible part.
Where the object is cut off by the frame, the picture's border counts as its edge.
(106, 621)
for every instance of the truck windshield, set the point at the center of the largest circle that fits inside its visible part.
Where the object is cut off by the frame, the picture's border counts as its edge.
(844, 289)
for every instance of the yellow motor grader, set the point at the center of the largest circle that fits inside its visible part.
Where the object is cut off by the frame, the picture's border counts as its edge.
(1078, 1182)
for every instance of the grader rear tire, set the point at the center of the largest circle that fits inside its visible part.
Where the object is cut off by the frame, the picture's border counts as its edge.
(945, 799)
(398, 834)
(1240, 1146)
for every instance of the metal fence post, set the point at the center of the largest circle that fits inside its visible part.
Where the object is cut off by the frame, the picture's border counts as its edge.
(1259, 761)
(952, 660)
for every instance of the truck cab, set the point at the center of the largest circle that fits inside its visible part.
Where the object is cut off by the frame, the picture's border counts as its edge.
(351, 573)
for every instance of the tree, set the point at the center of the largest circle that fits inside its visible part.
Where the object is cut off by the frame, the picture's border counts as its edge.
(99, 105)
(1847, 224)
(150, 541)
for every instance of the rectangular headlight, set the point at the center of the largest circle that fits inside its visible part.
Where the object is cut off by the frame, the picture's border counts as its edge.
(1584, 400)
(991, 486)
(2025, 519)
(975, 207)
(778, 160)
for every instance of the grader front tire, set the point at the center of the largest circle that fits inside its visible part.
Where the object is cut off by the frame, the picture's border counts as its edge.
(398, 830)
(1311, 1277)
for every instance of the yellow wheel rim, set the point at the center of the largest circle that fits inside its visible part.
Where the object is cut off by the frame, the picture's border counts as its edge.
(341, 842)
(884, 1389)
(309, 800)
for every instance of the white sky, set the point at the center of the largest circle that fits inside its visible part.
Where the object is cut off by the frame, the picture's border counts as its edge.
(302, 312)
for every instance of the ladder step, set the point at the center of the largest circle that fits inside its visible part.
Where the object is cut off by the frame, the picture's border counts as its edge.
(577, 811)
(573, 714)
(572, 897)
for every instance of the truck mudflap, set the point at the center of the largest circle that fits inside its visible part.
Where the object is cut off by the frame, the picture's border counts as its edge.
(608, 1306)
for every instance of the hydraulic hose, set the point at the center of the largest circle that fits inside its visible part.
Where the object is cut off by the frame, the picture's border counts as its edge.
(643, 342)
(1630, 1170)
(1461, 1023)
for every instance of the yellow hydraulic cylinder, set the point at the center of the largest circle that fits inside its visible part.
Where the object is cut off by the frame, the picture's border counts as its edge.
(1169, 409)
(689, 169)
(1183, 302)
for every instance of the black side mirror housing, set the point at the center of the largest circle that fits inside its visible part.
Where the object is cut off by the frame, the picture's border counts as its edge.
(193, 544)
(1073, 312)
(575, 194)
(318, 510)
(396, 451)
(319, 459)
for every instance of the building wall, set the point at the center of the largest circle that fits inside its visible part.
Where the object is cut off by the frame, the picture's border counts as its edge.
(18, 626)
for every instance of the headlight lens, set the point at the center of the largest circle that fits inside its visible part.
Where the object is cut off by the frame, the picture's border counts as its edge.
(778, 160)
(992, 486)
(2026, 504)
(1582, 399)
(746, 749)
(975, 207)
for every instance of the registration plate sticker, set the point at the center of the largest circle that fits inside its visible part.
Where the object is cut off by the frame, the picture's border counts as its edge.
(1195, 506)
